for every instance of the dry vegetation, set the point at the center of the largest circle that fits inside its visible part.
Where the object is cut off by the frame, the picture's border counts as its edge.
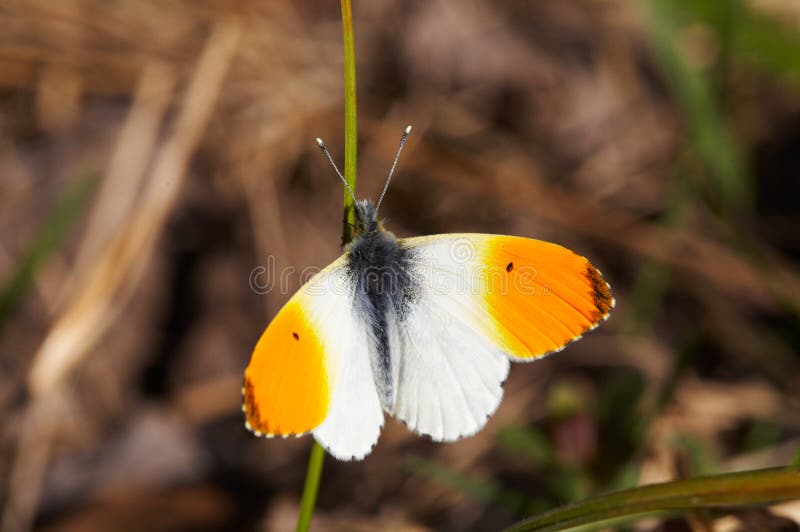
(153, 153)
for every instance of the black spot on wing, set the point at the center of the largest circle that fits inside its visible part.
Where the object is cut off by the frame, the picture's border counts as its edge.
(509, 267)
(295, 336)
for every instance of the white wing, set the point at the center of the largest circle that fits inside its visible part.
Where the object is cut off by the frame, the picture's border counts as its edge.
(484, 299)
(310, 371)
(354, 422)
(450, 379)
(450, 376)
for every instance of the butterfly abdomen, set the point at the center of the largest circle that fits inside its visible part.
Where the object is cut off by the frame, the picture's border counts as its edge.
(381, 272)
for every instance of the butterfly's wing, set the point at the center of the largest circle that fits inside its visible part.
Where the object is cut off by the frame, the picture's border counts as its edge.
(484, 299)
(310, 371)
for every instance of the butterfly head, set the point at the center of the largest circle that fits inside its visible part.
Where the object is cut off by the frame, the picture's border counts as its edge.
(366, 217)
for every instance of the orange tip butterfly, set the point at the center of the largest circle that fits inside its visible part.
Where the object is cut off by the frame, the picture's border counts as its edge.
(420, 328)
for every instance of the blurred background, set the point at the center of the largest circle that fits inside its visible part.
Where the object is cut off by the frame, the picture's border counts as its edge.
(154, 154)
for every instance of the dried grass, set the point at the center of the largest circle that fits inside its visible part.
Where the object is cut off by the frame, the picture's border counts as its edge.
(543, 120)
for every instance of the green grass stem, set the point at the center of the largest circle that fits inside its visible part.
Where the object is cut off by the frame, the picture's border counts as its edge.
(718, 491)
(48, 239)
(350, 121)
(313, 476)
(314, 472)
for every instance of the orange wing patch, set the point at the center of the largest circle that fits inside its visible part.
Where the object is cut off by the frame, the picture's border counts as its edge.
(541, 296)
(286, 388)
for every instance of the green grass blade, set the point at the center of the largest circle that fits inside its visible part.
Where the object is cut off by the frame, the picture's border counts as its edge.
(350, 119)
(311, 487)
(708, 131)
(315, 461)
(756, 39)
(719, 491)
(48, 239)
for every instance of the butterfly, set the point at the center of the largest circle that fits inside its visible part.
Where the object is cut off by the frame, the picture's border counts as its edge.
(423, 329)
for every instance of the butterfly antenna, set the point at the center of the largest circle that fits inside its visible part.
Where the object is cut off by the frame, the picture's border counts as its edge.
(394, 165)
(330, 160)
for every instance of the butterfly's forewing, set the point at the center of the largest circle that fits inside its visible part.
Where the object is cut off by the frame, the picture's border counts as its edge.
(287, 388)
(537, 296)
(310, 371)
(484, 299)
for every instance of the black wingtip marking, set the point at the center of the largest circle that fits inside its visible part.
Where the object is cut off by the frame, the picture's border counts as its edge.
(601, 293)
(251, 413)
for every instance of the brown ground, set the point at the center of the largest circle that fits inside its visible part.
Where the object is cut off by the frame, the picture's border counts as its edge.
(194, 124)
